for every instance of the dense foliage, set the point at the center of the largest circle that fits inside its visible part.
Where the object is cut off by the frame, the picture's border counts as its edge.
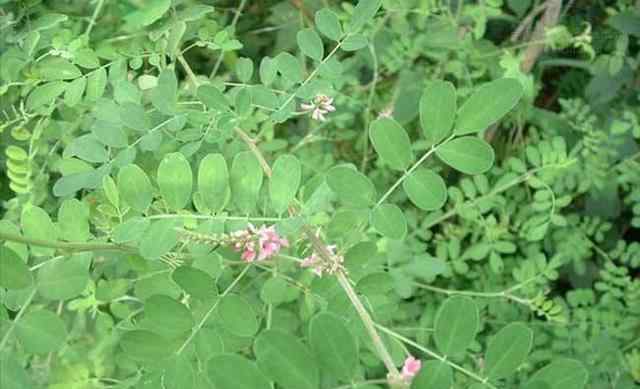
(312, 194)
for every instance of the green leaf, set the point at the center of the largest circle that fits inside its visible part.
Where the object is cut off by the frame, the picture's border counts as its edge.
(164, 96)
(131, 230)
(277, 290)
(246, 181)
(195, 282)
(159, 239)
(268, 70)
(142, 345)
(87, 148)
(213, 98)
(456, 325)
(334, 346)
(286, 360)
(14, 273)
(507, 350)
(426, 189)
(166, 317)
(111, 190)
(96, 84)
(109, 133)
(351, 186)
(328, 24)
(437, 110)
(64, 278)
(354, 42)
(243, 102)
(36, 224)
(562, 374)
(433, 375)
(310, 44)
(289, 67)
(58, 68)
(13, 376)
(74, 91)
(237, 316)
(149, 12)
(468, 154)
(45, 94)
(231, 371)
(363, 13)
(488, 104)
(179, 374)
(41, 332)
(73, 220)
(86, 58)
(389, 220)
(213, 182)
(175, 180)
(135, 188)
(285, 181)
(244, 69)
(392, 143)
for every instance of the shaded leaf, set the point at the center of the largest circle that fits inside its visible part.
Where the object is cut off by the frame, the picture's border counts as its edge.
(456, 325)
(286, 360)
(507, 350)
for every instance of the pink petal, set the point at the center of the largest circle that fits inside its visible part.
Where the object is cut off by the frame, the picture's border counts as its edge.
(411, 367)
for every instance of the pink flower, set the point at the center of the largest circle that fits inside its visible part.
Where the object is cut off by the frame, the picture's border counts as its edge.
(267, 240)
(411, 368)
(270, 242)
(249, 253)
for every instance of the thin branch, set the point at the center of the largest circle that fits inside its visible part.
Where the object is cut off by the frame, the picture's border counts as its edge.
(414, 167)
(232, 26)
(65, 246)
(27, 302)
(439, 357)
(94, 17)
(197, 328)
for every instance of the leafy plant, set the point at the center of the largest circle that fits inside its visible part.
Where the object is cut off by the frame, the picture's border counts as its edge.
(319, 194)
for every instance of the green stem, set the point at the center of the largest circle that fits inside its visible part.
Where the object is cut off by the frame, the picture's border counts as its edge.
(411, 169)
(312, 75)
(436, 356)
(506, 294)
(210, 217)
(94, 17)
(27, 302)
(367, 119)
(231, 27)
(321, 249)
(66, 246)
(524, 177)
(197, 328)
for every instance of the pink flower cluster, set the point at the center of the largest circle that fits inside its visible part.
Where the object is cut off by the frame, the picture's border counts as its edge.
(258, 244)
(319, 266)
(411, 368)
(320, 106)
